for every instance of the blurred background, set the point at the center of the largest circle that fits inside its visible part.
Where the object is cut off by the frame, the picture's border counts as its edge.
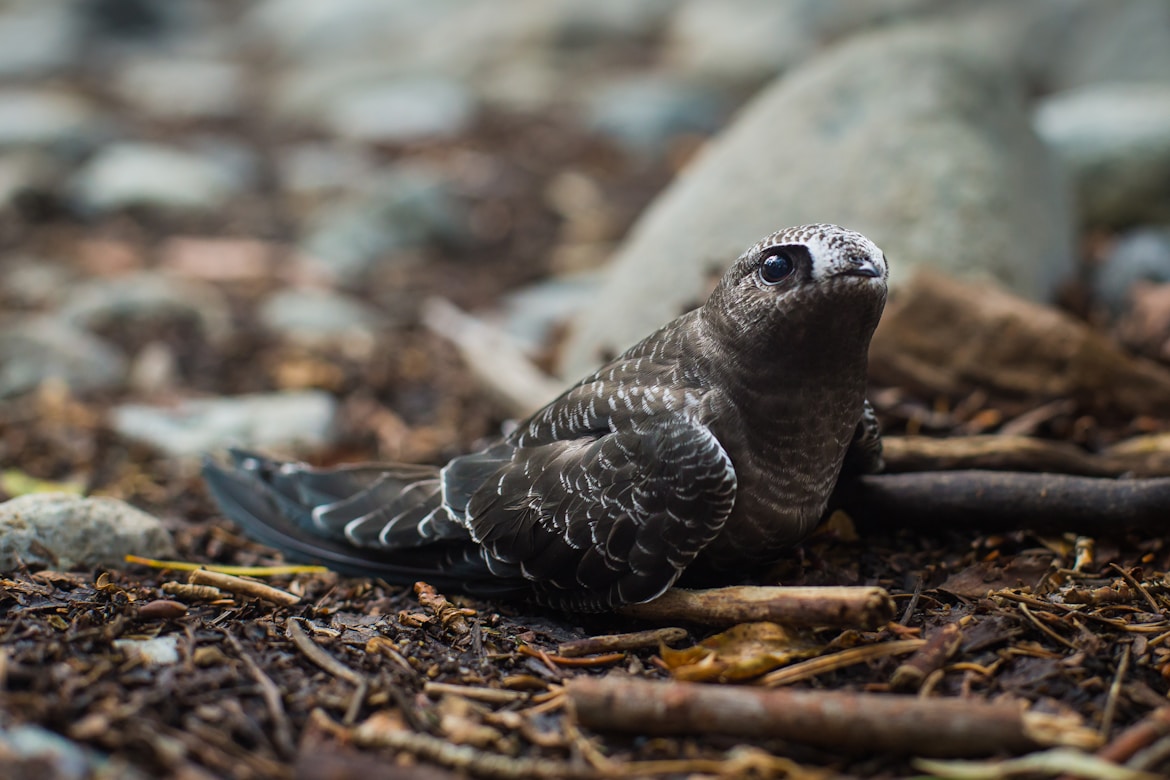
(223, 221)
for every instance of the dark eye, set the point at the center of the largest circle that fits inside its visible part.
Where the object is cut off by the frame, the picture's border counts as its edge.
(776, 268)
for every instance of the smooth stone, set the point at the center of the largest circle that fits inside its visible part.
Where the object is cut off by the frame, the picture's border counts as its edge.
(148, 297)
(1115, 141)
(157, 651)
(1118, 41)
(317, 315)
(129, 174)
(196, 426)
(406, 109)
(182, 89)
(1140, 256)
(643, 113)
(315, 168)
(64, 531)
(408, 207)
(32, 117)
(42, 348)
(37, 39)
(31, 751)
(911, 136)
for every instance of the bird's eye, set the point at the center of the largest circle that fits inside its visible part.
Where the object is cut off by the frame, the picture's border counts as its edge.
(776, 268)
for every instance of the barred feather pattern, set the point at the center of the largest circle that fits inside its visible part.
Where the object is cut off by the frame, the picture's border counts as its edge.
(701, 451)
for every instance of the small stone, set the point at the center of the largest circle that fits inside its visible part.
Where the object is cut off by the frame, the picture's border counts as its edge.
(159, 651)
(407, 208)
(63, 531)
(408, 109)
(217, 259)
(42, 348)
(270, 420)
(178, 89)
(313, 316)
(644, 113)
(31, 117)
(126, 174)
(1140, 256)
(37, 39)
(146, 299)
(310, 169)
(1114, 140)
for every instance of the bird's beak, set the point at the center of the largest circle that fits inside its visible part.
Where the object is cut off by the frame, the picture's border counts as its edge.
(862, 266)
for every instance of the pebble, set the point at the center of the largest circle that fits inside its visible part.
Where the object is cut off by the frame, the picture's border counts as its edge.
(404, 110)
(31, 751)
(63, 531)
(40, 348)
(197, 426)
(128, 174)
(1114, 140)
(182, 89)
(159, 651)
(644, 113)
(37, 39)
(42, 117)
(313, 316)
(146, 298)
(1139, 256)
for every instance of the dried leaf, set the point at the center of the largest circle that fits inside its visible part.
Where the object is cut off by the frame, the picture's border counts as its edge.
(740, 653)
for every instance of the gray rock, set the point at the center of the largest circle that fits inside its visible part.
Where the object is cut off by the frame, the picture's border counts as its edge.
(643, 113)
(752, 40)
(179, 89)
(147, 298)
(157, 651)
(35, 282)
(406, 208)
(316, 168)
(41, 348)
(1115, 141)
(31, 751)
(130, 174)
(1143, 255)
(531, 315)
(269, 420)
(35, 117)
(1122, 40)
(24, 172)
(64, 531)
(317, 316)
(909, 136)
(402, 110)
(37, 39)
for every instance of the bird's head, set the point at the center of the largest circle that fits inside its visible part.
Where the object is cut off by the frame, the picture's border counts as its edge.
(802, 289)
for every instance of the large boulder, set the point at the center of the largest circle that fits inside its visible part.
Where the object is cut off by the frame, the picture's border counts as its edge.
(911, 136)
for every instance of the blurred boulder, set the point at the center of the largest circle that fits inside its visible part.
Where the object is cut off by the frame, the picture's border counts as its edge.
(1140, 256)
(36, 349)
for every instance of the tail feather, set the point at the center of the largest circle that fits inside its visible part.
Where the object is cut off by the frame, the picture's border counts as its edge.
(268, 500)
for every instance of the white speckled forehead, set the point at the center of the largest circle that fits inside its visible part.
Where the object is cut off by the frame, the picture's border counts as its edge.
(831, 247)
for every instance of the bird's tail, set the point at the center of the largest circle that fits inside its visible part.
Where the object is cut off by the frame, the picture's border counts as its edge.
(369, 519)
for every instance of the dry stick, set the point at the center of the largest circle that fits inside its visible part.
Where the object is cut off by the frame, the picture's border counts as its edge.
(488, 695)
(1115, 692)
(293, 630)
(844, 659)
(243, 587)
(831, 606)
(992, 501)
(843, 722)
(1145, 732)
(929, 658)
(611, 643)
(282, 728)
(1004, 453)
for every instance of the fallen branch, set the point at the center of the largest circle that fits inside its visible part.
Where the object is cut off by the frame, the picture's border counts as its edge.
(242, 587)
(928, 659)
(612, 643)
(1011, 453)
(842, 722)
(830, 606)
(992, 501)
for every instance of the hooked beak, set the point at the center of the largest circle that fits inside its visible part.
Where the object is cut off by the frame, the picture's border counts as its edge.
(862, 266)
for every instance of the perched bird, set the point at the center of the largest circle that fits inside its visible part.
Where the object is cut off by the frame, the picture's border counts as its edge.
(701, 451)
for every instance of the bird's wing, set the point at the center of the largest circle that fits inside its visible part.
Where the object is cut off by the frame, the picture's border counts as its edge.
(864, 455)
(603, 519)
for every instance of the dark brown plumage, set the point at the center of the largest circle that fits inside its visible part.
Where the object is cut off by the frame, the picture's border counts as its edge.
(704, 449)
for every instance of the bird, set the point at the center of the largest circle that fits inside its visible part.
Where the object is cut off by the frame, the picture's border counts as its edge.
(696, 456)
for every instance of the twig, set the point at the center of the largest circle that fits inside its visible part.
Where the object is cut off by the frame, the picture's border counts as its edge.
(489, 695)
(831, 663)
(929, 658)
(1043, 628)
(1145, 732)
(242, 587)
(493, 357)
(293, 630)
(991, 501)
(453, 618)
(1115, 692)
(281, 727)
(1133, 583)
(997, 452)
(1040, 764)
(248, 571)
(830, 606)
(843, 722)
(617, 642)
